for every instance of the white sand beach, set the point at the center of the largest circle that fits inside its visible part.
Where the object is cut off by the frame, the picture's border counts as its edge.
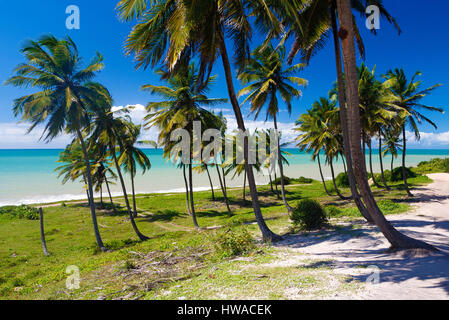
(363, 253)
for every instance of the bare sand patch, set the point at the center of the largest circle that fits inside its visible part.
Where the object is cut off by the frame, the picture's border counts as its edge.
(362, 255)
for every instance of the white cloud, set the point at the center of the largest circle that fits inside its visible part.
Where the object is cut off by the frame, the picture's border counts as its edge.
(429, 139)
(14, 136)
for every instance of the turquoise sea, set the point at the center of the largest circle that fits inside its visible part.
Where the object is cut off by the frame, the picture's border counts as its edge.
(28, 176)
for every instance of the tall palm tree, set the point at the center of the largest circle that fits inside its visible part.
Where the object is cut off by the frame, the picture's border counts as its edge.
(311, 30)
(184, 102)
(109, 128)
(319, 131)
(396, 239)
(66, 100)
(132, 157)
(375, 113)
(408, 96)
(177, 30)
(268, 78)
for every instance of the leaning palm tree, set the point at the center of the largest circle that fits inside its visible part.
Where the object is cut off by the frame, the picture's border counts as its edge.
(397, 240)
(408, 96)
(66, 100)
(178, 30)
(131, 157)
(268, 78)
(109, 128)
(183, 103)
(311, 29)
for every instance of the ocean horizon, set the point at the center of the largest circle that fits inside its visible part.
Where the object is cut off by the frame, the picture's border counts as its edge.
(28, 175)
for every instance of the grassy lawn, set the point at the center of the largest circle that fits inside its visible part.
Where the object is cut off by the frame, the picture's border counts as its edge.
(177, 261)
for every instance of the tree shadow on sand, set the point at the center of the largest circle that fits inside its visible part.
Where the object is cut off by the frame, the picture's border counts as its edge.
(361, 248)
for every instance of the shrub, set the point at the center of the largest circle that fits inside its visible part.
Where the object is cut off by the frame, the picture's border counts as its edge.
(287, 181)
(396, 175)
(388, 206)
(304, 180)
(342, 180)
(434, 165)
(308, 215)
(231, 243)
(20, 212)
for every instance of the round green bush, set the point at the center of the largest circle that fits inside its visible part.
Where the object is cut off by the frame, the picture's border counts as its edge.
(396, 175)
(342, 180)
(287, 181)
(308, 215)
(304, 180)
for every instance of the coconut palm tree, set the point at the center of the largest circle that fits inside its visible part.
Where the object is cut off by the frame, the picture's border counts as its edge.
(184, 102)
(320, 131)
(311, 29)
(270, 162)
(109, 128)
(65, 102)
(268, 78)
(408, 96)
(346, 33)
(393, 143)
(178, 30)
(132, 157)
(374, 97)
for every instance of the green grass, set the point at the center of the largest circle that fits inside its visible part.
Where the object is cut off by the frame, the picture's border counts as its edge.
(25, 273)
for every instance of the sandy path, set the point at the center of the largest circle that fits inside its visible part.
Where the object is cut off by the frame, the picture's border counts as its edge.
(361, 253)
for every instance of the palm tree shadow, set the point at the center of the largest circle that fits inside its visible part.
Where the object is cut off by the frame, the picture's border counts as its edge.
(394, 267)
(214, 213)
(165, 215)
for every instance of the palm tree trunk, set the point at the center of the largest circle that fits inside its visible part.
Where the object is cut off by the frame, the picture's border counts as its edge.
(211, 185)
(267, 234)
(41, 224)
(381, 162)
(392, 162)
(110, 196)
(134, 197)
(343, 117)
(333, 181)
(271, 183)
(223, 189)
(404, 173)
(396, 239)
(90, 191)
(192, 206)
(244, 186)
(371, 164)
(344, 164)
(281, 167)
(125, 195)
(187, 189)
(101, 197)
(276, 185)
(322, 177)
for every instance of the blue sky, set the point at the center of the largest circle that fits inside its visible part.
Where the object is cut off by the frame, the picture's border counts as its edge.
(423, 46)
